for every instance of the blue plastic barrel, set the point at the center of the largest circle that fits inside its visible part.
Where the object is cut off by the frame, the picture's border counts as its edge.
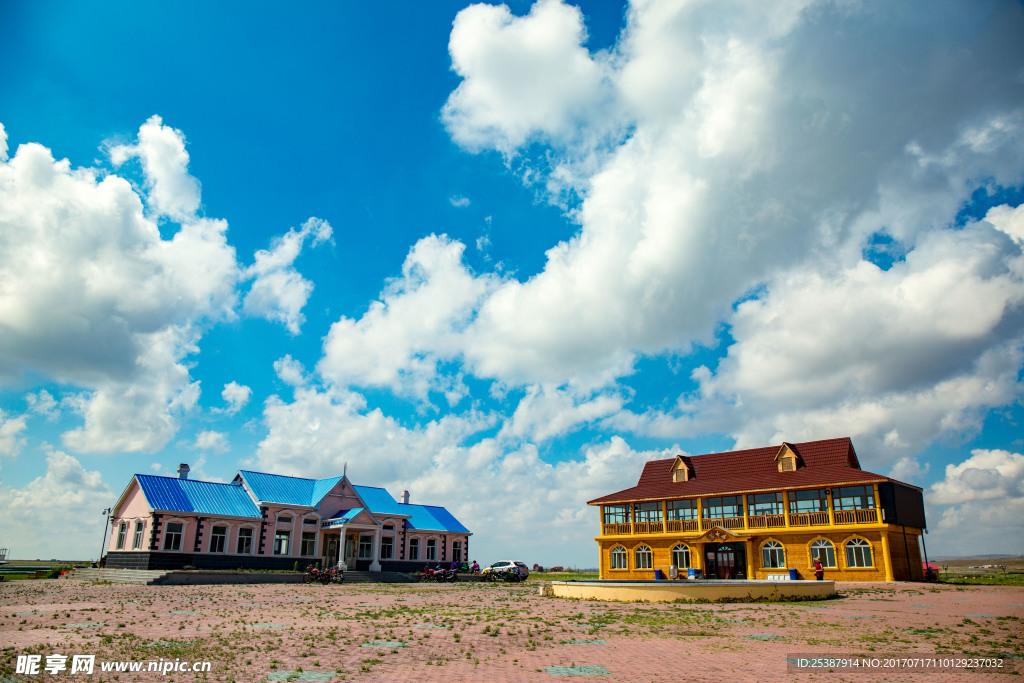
(658, 576)
(792, 575)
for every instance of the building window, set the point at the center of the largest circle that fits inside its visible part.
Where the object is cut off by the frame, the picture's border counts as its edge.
(616, 514)
(281, 538)
(387, 546)
(681, 556)
(647, 512)
(137, 541)
(858, 553)
(218, 539)
(854, 498)
(284, 520)
(122, 533)
(765, 503)
(618, 557)
(826, 552)
(310, 520)
(365, 547)
(643, 558)
(172, 536)
(813, 500)
(308, 546)
(456, 551)
(724, 506)
(431, 549)
(773, 555)
(244, 546)
(414, 549)
(682, 509)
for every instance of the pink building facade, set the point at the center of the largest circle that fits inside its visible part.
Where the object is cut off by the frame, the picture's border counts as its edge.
(269, 521)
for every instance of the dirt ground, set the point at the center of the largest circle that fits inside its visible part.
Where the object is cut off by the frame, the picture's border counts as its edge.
(1012, 564)
(456, 632)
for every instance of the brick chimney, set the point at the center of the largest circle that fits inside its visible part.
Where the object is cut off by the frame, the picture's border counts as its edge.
(405, 497)
(183, 471)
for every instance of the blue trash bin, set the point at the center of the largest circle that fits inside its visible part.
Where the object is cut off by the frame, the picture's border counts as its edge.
(792, 575)
(658, 576)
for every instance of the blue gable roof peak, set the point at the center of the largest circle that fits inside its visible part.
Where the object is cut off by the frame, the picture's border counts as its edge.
(285, 490)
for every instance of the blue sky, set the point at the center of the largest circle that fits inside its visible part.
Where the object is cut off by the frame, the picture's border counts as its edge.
(502, 255)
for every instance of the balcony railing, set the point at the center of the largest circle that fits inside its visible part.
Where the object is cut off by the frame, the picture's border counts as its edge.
(682, 525)
(724, 522)
(773, 521)
(766, 521)
(869, 516)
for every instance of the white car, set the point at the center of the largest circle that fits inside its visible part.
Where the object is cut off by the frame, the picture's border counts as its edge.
(505, 569)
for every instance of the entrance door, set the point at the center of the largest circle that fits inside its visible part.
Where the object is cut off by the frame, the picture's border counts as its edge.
(331, 556)
(350, 551)
(725, 562)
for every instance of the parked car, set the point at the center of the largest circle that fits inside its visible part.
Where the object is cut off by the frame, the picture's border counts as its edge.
(504, 567)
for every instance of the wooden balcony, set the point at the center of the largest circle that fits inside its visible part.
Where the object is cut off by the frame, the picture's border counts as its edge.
(869, 516)
(724, 522)
(649, 528)
(766, 521)
(808, 519)
(749, 523)
(677, 525)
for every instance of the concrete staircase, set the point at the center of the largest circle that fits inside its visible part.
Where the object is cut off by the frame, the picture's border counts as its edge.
(142, 577)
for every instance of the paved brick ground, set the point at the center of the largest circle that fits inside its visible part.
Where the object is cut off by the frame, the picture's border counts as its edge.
(501, 632)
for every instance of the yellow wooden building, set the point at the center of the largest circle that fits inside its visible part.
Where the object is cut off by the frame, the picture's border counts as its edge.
(761, 512)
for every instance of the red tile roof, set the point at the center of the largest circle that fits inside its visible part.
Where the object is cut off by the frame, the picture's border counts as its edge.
(829, 462)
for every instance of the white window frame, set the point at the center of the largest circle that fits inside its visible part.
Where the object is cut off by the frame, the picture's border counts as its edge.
(122, 535)
(773, 555)
(223, 537)
(180, 534)
(820, 545)
(855, 549)
(430, 555)
(681, 551)
(139, 535)
(303, 541)
(643, 556)
(414, 549)
(251, 537)
(619, 558)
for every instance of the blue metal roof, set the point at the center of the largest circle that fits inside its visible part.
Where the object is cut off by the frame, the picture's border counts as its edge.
(277, 488)
(431, 518)
(424, 517)
(203, 497)
(379, 500)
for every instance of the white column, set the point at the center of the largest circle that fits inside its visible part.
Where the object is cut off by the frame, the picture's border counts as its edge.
(375, 551)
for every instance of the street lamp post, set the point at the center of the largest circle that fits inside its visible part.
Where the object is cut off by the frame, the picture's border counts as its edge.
(106, 521)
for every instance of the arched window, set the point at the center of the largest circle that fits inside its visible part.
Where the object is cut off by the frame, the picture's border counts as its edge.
(773, 555)
(858, 553)
(643, 558)
(619, 557)
(825, 551)
(681, 556)
(414, 548)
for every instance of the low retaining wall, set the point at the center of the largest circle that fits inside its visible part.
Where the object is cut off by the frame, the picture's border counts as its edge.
(200, 577)
(691, 591)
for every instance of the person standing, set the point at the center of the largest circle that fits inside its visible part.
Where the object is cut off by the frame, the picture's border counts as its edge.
(819, 569)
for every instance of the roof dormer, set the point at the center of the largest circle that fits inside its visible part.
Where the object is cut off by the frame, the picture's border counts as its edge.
(682, 470)
(788, 459)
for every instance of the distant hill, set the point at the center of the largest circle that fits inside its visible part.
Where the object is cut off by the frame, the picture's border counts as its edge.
(994, 556)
